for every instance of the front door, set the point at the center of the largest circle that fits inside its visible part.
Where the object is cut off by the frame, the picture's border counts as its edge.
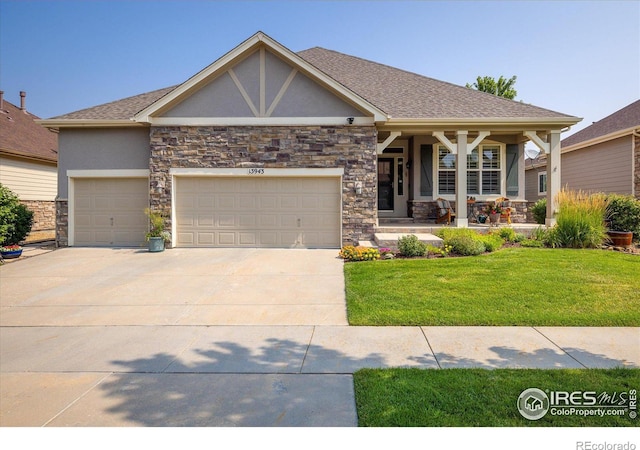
(385, 184)
(392, 186)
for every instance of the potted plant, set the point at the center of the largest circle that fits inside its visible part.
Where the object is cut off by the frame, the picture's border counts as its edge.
(493, 211)
(623, 219)
(15, 223)
(156, 235)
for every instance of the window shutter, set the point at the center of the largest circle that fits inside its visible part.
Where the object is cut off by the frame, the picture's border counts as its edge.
(426, 170)
(512, 170)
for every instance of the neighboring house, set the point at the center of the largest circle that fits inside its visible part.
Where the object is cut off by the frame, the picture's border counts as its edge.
(28, 164)
(270, 148)
(604, 157)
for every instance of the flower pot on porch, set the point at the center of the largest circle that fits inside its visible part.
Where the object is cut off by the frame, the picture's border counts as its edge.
(11, 254)
(620, 238)
(494, 218)
(156, 244)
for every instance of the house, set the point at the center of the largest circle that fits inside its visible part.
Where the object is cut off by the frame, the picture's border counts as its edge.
(603, 157)
(270, 148)
(28, 164)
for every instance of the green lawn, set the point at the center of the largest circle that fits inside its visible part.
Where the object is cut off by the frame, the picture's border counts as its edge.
(478, 397)
(513, 286)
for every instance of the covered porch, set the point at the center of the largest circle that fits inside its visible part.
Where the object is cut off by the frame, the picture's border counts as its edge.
(420, 164)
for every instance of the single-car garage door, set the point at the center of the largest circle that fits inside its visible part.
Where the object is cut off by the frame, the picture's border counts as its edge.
(110, 211)
(258, 212)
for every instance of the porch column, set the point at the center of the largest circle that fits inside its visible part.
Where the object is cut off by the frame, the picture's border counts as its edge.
(553, 176)
(462, 220)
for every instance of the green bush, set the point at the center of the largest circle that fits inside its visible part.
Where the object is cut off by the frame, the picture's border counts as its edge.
(15, 219)
(466, 245)
(580, 220)
(532, 243)
(623, 214)
(492, 242)
(539, 211)
(351, 253)
(410, 246)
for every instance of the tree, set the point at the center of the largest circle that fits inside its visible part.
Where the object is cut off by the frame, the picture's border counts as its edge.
(501, 88)
(15, 219)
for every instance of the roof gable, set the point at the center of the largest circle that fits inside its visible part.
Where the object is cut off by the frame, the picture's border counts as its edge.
(244, 85)
(261, 85)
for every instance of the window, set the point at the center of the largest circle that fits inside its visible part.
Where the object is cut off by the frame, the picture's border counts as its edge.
(542, 183)
(446, 171)
(484, 171)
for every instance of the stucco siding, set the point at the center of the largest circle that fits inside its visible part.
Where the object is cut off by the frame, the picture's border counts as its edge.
(240, 92)
(101, 149)
(29, 180)
(605, 167)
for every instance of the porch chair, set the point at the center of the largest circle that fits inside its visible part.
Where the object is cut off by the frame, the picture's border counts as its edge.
(444, 211)
(504, 203)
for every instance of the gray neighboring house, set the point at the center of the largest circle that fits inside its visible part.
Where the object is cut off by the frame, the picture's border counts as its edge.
(270, 148)
(604, 157)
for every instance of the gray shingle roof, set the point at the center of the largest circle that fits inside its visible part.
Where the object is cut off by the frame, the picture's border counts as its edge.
(403, 94)
(123, 109)
(623, 119)
(399, 93)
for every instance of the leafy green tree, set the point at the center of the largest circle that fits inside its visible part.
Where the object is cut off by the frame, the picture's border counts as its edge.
(502, 87)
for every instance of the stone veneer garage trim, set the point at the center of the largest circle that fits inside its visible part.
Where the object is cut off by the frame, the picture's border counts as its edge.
(350, 149)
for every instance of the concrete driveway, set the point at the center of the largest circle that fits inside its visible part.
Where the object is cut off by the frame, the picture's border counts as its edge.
(92, 286)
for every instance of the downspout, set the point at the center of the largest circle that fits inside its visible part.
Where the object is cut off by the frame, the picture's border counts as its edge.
(635, 134)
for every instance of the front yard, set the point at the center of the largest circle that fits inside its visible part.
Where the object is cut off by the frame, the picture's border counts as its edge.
(489, 398)
(514, 286)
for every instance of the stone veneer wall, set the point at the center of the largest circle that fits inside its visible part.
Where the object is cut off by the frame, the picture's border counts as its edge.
(62, 223)
(350, 147)
(44, 214)
(424, 211)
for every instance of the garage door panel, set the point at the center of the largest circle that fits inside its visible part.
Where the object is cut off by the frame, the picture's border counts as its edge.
(110, 211)
(258, 212)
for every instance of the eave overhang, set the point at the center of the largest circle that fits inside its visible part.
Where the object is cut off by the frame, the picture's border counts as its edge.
(88, 123)
(493, 124)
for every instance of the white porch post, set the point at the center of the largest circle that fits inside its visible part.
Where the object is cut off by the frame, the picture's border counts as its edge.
(462, 221)
(553, 176)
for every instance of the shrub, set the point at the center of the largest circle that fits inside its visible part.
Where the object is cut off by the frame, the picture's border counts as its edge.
(539, 211)
(351, 253)
(410, 246)
(438, 251)
(580, 220)
(15, 219)
(466, 245)
(623, 214)
(492, 242)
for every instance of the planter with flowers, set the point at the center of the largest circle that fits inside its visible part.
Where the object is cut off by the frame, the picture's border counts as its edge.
(10, 251)
(494, 211)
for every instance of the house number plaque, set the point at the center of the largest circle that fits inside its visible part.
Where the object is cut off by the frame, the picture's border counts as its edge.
(255, 171)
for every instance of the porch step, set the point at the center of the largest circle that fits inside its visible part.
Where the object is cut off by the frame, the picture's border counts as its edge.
(390, 240)
(393, 220)
(407, 229)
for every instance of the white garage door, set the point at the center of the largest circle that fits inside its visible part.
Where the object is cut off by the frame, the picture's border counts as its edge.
(110, 211)
(258, 212)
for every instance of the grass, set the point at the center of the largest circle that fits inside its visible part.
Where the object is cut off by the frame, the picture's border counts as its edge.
(514, 286)
(479, 397)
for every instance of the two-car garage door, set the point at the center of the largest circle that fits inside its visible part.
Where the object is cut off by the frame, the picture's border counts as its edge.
(257, 212)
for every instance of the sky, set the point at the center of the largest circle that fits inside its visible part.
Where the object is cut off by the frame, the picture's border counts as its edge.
(576, 57)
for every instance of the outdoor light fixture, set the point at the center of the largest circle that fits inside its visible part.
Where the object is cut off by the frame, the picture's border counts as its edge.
(350, 120)
(359, 187)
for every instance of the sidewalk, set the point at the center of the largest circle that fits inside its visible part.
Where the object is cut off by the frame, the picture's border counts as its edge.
(256, 375)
